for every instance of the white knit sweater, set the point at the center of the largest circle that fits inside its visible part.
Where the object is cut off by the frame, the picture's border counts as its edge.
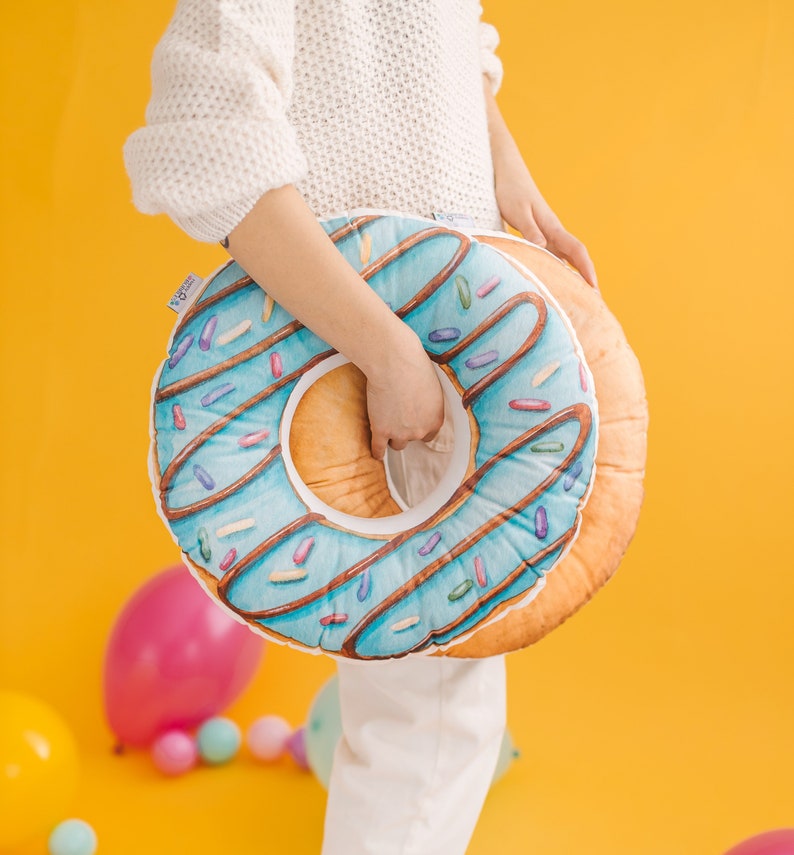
(359, 103)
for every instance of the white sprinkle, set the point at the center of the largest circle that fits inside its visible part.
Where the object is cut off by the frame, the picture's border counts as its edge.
(233, 528)
(234, 332)
(404, 624)
(287, 575)
(543, 375)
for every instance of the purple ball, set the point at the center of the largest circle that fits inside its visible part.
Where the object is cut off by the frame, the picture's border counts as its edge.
(296, 745)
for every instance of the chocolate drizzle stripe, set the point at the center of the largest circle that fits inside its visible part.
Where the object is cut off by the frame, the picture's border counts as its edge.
(579, 412)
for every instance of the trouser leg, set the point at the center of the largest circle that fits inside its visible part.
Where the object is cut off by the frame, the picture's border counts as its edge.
(421, 739)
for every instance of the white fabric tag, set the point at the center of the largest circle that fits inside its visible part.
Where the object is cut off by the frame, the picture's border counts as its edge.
(462, 221)
(181, 298)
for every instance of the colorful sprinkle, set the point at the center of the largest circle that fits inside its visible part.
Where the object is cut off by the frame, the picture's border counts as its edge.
(546, 447)
(464, 292)
(235, 527)
(205, 339)
(457, 593)
(431, 544)
(531, 404)
(541, 523)
(482, 359)
(405, 623)
(203, 477)
(543, 375)
(444, 334)
(336, 618)
(216, 394)
(570, 478)
(276, 365)
(204, 544)
(228, 560)
(365, 249)
(182, 349)
(280, 576)
(303, 550)
(235, 332)
(582, 377)
(363, 588)
(267, 309)
(253, 438)
(479, 572)
(485, 289)
(179, 417)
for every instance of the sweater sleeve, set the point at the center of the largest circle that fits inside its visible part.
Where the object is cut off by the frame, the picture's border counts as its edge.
(217, 135)
(489, 61)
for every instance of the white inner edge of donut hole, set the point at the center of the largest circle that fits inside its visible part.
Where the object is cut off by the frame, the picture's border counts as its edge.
(449, 481)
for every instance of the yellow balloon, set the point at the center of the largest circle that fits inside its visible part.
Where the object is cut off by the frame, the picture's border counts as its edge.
(38, 768)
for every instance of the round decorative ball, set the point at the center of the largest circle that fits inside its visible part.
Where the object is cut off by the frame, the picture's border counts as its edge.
(72, 837)
(174, 752)
(218, 740)
(777, 842)
(296, 745)
(267, 737)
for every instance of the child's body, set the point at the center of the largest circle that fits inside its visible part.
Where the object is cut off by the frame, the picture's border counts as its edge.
(266, 115)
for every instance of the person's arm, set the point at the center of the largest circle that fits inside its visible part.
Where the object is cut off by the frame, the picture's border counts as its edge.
(281, 245)
(520, 202)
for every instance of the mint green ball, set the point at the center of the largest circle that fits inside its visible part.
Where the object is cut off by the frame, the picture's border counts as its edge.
(72, 837)
(218, 740)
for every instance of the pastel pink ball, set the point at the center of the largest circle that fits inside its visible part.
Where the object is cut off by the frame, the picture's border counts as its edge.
(777, 842)
(267, 737)
(175, 752)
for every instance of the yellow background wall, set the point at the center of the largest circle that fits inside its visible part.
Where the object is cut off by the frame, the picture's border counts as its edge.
(657, 721)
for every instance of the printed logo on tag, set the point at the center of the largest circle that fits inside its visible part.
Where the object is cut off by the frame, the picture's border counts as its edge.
(181, 299)
(462, 221)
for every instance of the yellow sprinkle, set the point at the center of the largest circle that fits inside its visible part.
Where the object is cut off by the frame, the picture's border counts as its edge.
(287, 575)
(366, 248)
(267, 311)
(404, 624)
(234, 332)
(233, 528)
(543, 375)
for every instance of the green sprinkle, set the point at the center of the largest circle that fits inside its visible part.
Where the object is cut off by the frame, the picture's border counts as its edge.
(458, 592)
(204, 545)
(546, 447)
(464, 292)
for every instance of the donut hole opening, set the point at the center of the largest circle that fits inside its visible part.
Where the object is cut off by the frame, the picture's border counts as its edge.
(326, 446)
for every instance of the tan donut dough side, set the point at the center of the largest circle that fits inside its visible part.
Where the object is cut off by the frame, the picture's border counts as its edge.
(609, 519)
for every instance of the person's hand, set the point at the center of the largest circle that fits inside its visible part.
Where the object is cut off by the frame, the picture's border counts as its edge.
(404, 397)
(520, 202)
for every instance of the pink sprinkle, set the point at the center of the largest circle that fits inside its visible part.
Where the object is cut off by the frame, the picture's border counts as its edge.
(335, 618)
(303, 550)
(253, 438)
(179, 418)
(488, 286)
(228, 560)
(582, 377)
(529, 404)
(276, 366)
(479, 571)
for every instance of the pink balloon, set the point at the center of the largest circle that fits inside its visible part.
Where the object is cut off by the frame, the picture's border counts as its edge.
(778, 842)
(174, 659)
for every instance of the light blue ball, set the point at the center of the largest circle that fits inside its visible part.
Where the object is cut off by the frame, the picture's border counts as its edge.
(72, 837)
(324, 728)
(218, 740)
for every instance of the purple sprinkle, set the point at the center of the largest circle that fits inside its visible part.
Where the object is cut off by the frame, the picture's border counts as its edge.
(205, 339)
(203, 477)
(211, 397)
(570, 478)
(487, 287)
(541, 523)
(431, 544)
(444, 334)
(482, 359)
(363, 588)
(182, 349)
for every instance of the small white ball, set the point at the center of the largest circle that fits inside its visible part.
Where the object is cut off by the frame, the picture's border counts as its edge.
(267, 737)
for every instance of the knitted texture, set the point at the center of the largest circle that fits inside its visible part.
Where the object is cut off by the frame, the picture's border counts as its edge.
(359, 103)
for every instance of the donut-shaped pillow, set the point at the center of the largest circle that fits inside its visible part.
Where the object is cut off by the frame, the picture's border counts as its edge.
(261, 468)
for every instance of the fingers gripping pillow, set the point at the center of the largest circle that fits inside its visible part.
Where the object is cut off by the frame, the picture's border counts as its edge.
(261, 466)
